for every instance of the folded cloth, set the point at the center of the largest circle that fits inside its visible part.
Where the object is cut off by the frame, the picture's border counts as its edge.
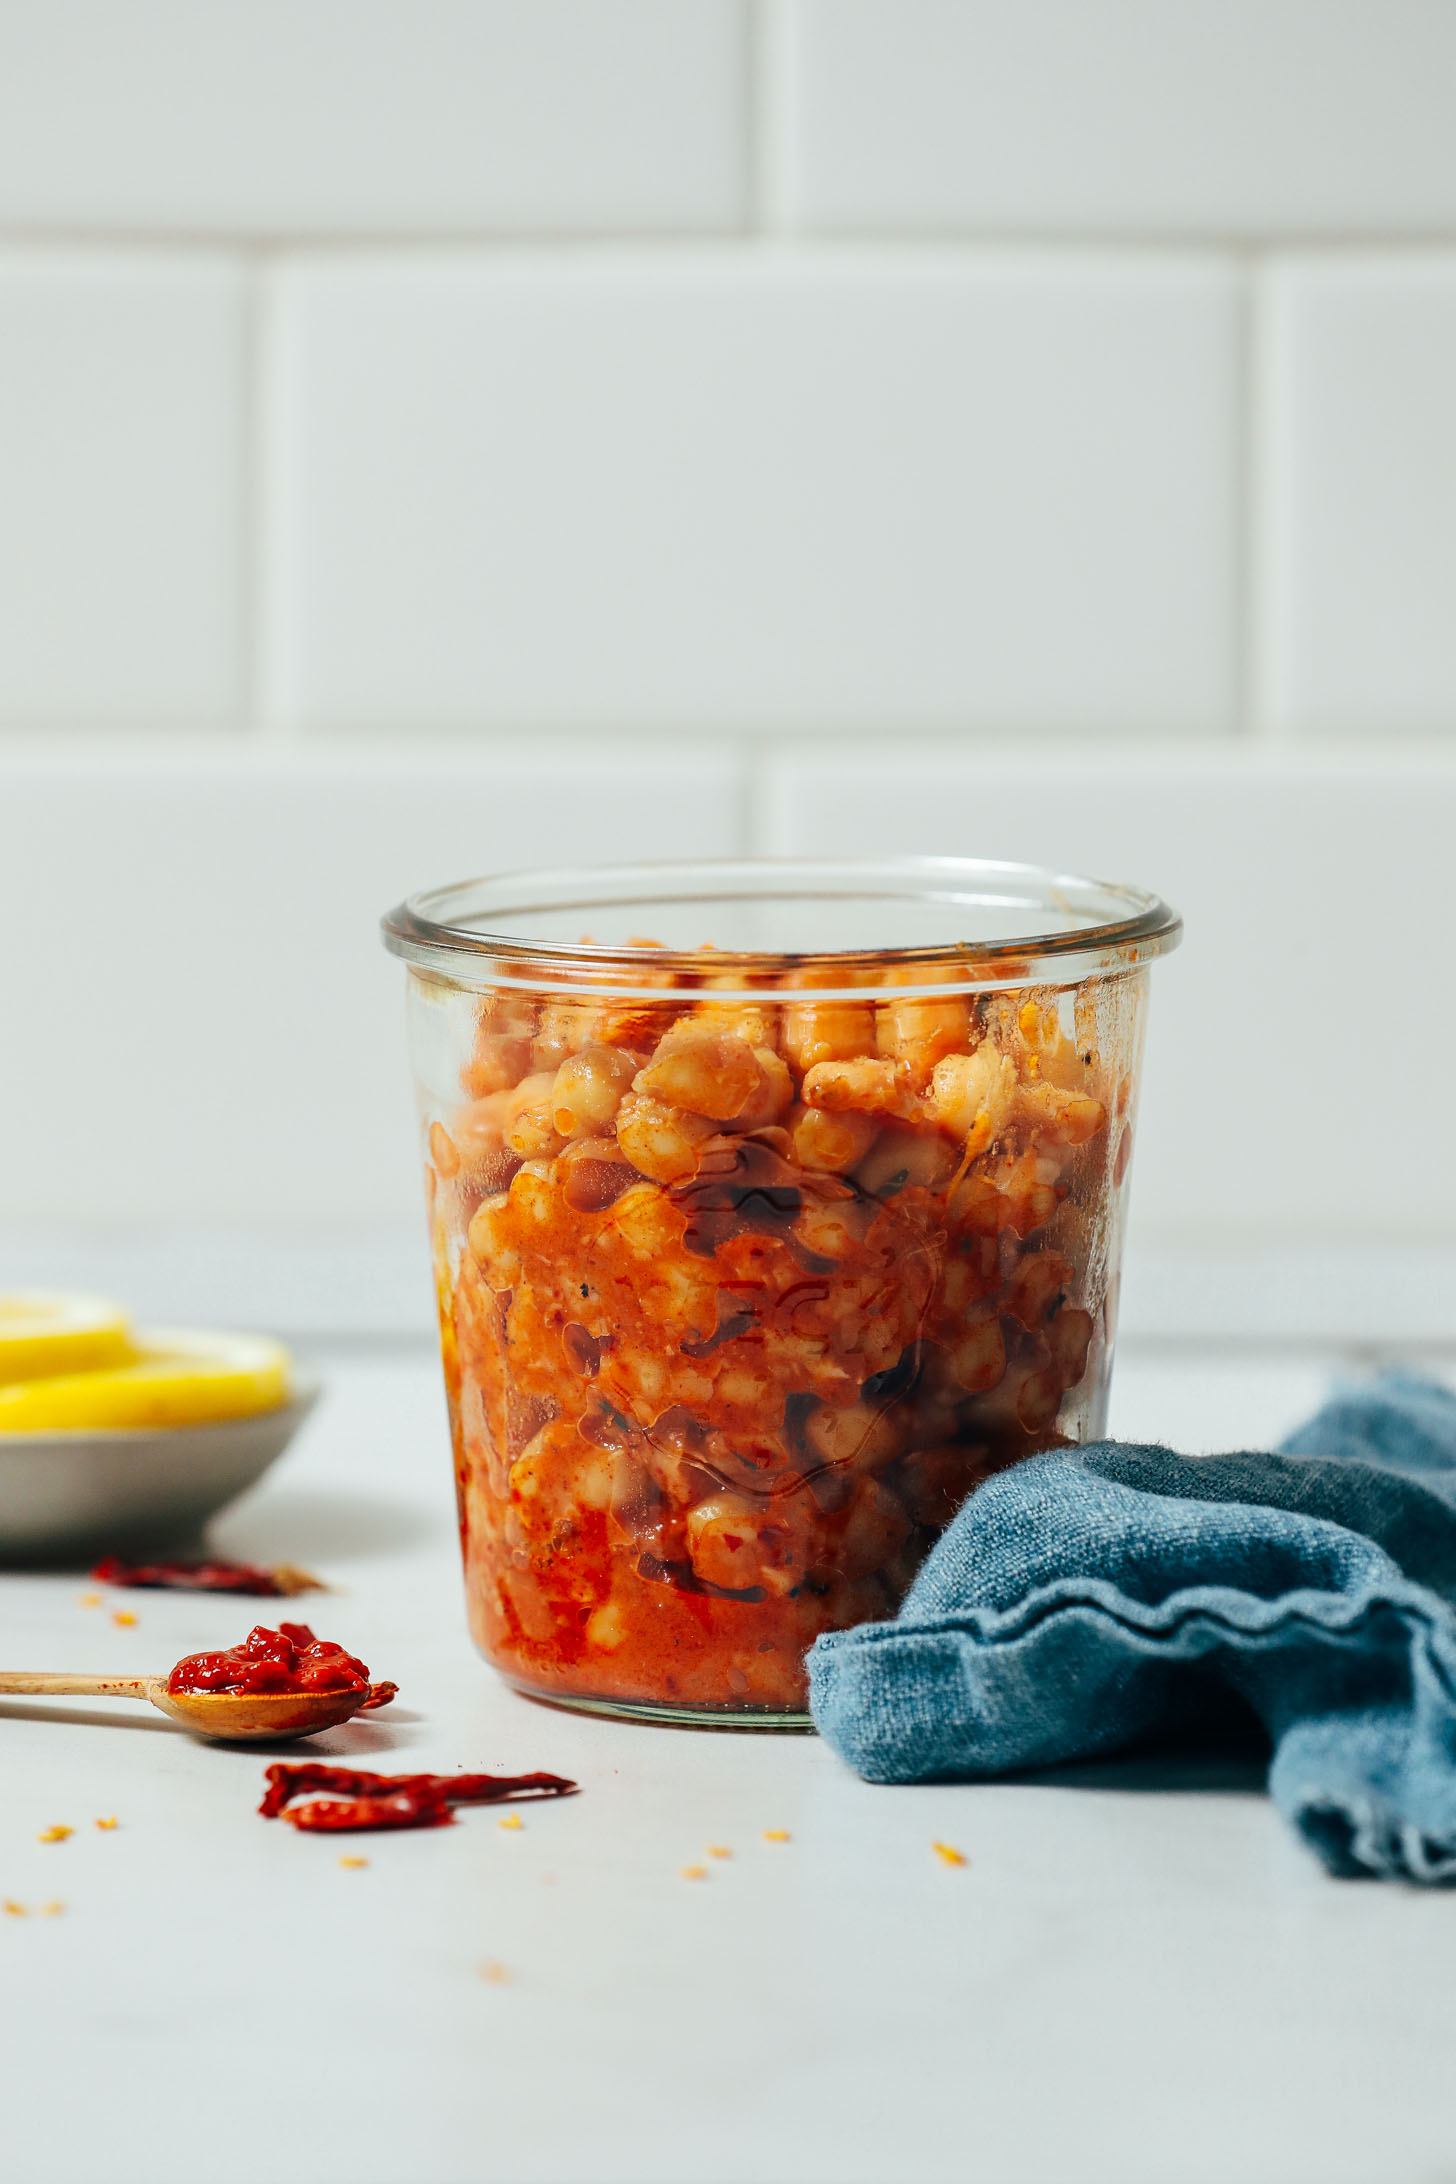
(1091, 1598)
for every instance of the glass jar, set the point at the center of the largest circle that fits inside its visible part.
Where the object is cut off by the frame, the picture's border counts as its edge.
(773, 1206)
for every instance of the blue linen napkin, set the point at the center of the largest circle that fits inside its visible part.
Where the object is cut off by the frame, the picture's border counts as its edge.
(1088, 1599)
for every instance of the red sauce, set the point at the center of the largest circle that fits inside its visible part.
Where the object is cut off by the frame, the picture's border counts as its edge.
(287, 1659)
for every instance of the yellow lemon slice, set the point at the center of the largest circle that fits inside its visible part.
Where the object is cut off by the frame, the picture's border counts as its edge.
(43, 1332)
(172, 1379)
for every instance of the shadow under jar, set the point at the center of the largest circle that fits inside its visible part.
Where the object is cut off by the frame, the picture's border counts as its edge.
(773, 1207)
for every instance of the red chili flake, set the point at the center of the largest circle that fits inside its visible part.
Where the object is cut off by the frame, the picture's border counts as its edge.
(290, 1779)
(214, 1575)
(350, 1815)
(380, 1694)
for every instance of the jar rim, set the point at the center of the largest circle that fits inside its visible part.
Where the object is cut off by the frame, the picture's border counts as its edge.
(1090, 925)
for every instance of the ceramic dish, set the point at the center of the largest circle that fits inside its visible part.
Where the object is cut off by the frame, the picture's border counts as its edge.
(61, 1492)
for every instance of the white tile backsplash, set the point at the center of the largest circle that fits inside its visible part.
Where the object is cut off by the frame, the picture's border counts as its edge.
(372, 116)
(854, 491)
(446, 433)
(1360, 429)
(1302, 1040)
(122, 489)
(209, 1028)
(1227, 117)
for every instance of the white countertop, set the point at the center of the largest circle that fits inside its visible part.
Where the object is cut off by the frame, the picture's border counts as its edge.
(1140, 1977)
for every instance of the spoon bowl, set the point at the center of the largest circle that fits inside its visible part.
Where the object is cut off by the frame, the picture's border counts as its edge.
(245, 1717)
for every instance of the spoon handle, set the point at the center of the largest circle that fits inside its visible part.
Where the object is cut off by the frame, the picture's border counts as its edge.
(36, 1684)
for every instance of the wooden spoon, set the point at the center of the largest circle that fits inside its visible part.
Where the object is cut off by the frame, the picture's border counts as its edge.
(230, 1716)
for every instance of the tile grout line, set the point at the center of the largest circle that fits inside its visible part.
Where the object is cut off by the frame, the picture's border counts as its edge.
(767, 87)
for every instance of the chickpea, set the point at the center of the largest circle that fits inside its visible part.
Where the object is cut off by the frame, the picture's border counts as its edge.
(1069, 1338)
(499, 1062)
(735, 1543)
(588, 1089)
(978, 1359)
(965, 1088)
(922, 1032)
(660, 1141)
(444, 1152)
(859, 1436)
(1037, 1288)
(529, 1129)
(775, 1094)
(901, 1157)
(830, 1143)
(877, 1087)
(827, 1031)
(714, 1074)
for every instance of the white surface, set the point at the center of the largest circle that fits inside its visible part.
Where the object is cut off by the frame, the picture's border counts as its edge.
(680, 491)
(1252, 117)
(299, 115)
(1135, 1980)
(1361, 432)
(121, 487)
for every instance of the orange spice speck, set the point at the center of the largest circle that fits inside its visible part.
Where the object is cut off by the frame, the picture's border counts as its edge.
(89, 1600)
(352, 1864)
(776, 1835)
(949, 1853)
(693, 1873)
(123, 1618)
(14, 1910)
(495, 1975)
(511, 1820)
(57, 1834)
(51, 1910)
(110, 1821)
(719, 1850)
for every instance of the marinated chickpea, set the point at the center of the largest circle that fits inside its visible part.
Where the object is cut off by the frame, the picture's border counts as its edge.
(744, 1295)
(588, 1089)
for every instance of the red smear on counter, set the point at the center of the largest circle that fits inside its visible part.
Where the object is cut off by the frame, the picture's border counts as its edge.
(215, 1575)
(290, 1779)
(269, 1661)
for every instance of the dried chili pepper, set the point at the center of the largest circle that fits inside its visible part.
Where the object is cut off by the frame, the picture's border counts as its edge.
(290, 1779)
(350, 1815)
(214, 1575)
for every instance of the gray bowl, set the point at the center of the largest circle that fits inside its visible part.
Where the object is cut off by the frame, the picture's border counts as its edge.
(62, 1493)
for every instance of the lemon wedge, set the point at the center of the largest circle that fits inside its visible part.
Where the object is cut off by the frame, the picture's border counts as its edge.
(172, 1378)
(43, 1333)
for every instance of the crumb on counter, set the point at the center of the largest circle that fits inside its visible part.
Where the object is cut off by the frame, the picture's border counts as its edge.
(719, 1850)
(14, 1910)
(123, 1618)
(512, 1820)
(57, 1834)
(693, 1873)
(90, 1600)
(777, 1835)
(110, 1821)
(949, 1854)
(494, 1974)
(52, 1910)
(352, 1865)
